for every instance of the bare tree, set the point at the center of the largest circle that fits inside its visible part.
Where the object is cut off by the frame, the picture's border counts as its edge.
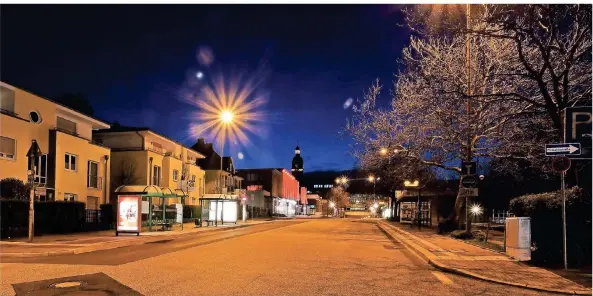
(125, 174)
(339, 196)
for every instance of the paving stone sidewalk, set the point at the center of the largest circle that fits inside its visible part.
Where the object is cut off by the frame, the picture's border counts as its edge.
(456, 256)
(49, 245)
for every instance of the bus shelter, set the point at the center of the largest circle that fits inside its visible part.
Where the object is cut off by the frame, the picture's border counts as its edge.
(215, 210)
(147, 193)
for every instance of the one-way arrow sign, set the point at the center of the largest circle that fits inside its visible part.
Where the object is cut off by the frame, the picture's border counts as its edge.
(563, 149)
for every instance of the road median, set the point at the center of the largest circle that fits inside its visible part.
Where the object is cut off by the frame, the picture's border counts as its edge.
(453, 256)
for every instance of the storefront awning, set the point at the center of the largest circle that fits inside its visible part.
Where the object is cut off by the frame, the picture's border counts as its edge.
(150, 190)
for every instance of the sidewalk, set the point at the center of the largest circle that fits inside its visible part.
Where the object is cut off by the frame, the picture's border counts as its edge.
(458, 257)
(77, 243)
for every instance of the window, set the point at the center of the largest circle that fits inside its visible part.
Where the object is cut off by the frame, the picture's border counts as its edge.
(69, 197)
(93, 175)
(7, 148)
(35, 117)
(40, 164)
(6, 99)
(66, 125)
(156, 175)
(70, 162)
(175, 175)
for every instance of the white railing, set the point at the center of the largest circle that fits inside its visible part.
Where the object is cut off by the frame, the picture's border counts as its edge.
(500, 216)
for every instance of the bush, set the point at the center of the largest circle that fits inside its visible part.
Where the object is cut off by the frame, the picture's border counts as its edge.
(50, 217)
(107, 216)
(545, 211)
(461, 234)
(12, 188)
(446, 226)
(192, 211)
(479, 235)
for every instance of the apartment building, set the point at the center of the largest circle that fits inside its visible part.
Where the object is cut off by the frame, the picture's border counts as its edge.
(221, 177)
(72, 167)
(140, 156)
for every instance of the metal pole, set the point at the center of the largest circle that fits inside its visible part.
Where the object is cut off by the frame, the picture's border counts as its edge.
(419, 211)
(563, 221)
(32, 200)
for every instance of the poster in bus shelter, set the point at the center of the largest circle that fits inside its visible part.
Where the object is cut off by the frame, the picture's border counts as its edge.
(128, 214)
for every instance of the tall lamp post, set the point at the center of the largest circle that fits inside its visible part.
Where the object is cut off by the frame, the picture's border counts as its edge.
(226, 118)
(415, 184)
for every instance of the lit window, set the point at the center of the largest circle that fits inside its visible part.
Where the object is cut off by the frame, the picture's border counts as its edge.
(7, 148)
(70, 162)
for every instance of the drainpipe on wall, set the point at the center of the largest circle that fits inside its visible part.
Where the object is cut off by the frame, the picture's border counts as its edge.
(149, 170)
(105, 180)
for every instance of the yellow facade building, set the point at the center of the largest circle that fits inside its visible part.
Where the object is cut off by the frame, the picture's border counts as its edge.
(140, 156)
(71, 167)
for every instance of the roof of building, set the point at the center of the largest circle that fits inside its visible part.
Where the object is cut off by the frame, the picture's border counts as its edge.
(50, 100)
(123, 129)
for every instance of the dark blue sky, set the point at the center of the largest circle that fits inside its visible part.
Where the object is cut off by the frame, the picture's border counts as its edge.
(128, 58)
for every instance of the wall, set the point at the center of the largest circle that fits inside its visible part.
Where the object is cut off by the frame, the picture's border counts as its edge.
(75, 182)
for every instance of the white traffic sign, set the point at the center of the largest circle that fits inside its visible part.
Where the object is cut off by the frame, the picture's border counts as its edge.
(468, 192)
(563, 149)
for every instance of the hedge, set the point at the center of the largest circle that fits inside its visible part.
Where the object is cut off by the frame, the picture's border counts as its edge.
(545, 211)
(51, 217)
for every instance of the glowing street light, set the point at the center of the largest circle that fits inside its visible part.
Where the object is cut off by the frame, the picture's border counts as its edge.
(408, 183)
(332, 204)
(226, 116)
(371, 178)
(383, 151)
(476, 209)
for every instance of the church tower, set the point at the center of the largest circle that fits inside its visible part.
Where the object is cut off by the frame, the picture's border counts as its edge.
(297, 165)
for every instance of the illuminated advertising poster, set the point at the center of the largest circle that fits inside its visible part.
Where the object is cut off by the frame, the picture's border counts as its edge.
(128, 213)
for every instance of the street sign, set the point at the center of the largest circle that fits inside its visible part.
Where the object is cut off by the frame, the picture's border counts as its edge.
(468, 168)
(577, 129)
(469, 181)
(563, 149)
(34, 150)
(560, 163)
(468, 192)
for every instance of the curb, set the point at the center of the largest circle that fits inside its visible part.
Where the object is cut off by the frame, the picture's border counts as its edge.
(437, 264)
(115, 245)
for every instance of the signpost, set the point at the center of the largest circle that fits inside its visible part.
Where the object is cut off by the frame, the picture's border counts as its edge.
(469, 181)
(33, 153)
(468, 168)
(563, 149)
(468, 192)
(577, 129)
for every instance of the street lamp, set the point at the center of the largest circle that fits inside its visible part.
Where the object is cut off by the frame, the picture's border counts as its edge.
(226, 118)
(415, 184)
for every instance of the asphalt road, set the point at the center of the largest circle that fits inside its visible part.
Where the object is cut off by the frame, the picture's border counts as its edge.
(314, 257)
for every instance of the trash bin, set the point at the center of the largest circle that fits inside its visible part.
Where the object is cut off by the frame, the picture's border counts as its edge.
(198, 222)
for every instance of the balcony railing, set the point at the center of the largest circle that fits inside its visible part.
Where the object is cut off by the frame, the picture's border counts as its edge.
(94, 182)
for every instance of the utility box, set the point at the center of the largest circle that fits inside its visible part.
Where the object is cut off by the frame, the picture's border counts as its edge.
(518, 238)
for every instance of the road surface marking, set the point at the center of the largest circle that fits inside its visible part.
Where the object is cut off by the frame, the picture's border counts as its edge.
(443, 278)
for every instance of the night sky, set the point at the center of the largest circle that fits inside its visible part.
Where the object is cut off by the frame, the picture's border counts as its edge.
(130, 60)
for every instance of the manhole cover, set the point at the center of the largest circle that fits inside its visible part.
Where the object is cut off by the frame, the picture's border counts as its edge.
(96, 284)
(67, 284)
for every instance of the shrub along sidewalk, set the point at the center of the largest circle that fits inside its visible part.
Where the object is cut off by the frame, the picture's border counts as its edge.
(458, 257)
